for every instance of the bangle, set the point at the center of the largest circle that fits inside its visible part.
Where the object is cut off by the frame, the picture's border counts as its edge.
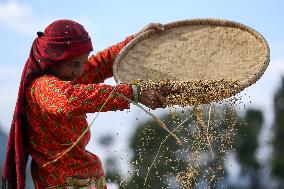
(135, 93)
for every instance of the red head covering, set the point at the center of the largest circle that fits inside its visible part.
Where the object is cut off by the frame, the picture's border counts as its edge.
(61, 40)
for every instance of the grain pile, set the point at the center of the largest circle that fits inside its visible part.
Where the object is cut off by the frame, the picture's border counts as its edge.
(194, 92)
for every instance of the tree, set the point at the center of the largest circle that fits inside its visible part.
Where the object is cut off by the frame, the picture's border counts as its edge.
(245, 145)
(277, 163)
(145, 143)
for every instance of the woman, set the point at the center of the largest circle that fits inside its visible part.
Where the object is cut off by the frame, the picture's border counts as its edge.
(59, 85)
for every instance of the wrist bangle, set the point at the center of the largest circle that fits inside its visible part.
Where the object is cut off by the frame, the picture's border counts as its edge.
(135, 93)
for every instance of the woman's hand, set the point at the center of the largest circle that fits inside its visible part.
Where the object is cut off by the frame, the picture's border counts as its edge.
(155, 26)
(154, 97)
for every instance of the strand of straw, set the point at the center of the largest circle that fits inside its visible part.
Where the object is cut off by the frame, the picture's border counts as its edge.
(160, 122)
(207, 131)
(203, 125)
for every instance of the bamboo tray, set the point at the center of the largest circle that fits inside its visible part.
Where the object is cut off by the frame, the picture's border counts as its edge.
(194, 50)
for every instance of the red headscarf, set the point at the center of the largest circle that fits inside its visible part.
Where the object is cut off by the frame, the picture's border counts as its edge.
(61, 40)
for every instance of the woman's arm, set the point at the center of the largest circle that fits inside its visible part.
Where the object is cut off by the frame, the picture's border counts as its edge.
(99, 66)
(63, 98)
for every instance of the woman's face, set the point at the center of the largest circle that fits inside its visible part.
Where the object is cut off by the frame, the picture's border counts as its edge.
(70, 69)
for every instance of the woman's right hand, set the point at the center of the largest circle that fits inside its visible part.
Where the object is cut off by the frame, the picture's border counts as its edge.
(155, 26)
(154, 97)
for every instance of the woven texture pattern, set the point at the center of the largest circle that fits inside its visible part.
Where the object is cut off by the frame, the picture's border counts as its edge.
(199, 49)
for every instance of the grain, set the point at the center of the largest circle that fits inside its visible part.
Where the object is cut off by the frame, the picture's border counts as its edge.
(194, 92)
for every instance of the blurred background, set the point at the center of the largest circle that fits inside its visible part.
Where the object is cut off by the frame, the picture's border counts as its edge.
(258, 159)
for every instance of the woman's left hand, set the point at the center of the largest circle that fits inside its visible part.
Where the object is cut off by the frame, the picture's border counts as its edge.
(155, 26)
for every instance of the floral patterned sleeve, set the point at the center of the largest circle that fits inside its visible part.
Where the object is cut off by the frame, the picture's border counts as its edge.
(99, 66)
(59, 98)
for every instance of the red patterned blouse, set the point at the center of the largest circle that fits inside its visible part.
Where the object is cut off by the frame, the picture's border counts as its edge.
(56, 114)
